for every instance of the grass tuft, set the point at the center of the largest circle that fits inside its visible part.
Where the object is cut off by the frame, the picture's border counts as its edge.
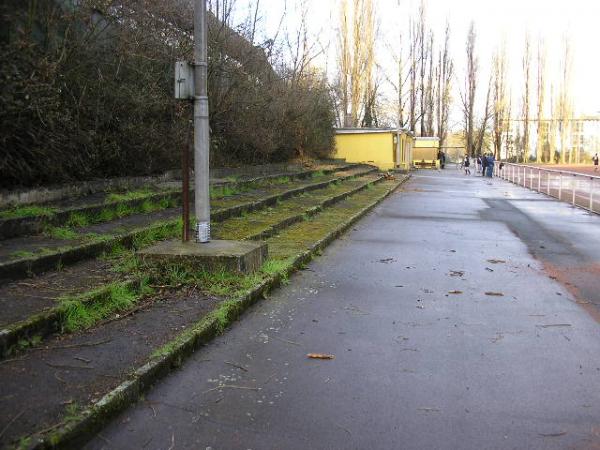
(64, 233)
(27, 211)
(128, 196)
(22, 254)
(81, 312)
(78, 219)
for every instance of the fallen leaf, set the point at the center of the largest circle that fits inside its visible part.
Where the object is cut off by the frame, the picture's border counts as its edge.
(495, 294)
(496, 261)
(455, 292)
(320, 356)
(562, 433)
(387, 260)
(456, 273)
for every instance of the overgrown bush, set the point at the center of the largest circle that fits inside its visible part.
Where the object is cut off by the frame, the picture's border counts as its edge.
(87, 92)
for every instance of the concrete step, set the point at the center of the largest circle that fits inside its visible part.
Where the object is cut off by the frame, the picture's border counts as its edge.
(25, 256)
(99, 207)
(78, 381)
(34, 310)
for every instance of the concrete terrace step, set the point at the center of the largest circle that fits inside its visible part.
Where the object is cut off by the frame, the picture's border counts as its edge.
(32, 310)
(23, 257)
(77, 383)
(60, 212)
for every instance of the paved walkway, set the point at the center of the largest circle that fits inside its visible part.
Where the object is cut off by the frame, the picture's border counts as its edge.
(424, 358)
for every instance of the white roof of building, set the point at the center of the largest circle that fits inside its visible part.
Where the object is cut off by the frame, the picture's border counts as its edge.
(427, 138)
(369, 130)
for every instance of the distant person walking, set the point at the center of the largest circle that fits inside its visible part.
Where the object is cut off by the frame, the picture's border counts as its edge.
(595, 160)
(483, 164)
(490, 165)
(466, 164)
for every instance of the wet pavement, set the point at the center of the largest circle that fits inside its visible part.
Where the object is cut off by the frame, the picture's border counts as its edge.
(461, 314)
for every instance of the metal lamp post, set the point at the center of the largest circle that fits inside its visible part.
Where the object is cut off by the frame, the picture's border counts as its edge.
(201, 125)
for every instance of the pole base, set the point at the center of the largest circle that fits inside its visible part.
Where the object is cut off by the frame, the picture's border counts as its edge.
(203, 232)
(233, 256)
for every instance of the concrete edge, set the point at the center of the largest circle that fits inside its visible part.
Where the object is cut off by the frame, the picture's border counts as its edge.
(25, 267)
(75, 434)
(48, 322)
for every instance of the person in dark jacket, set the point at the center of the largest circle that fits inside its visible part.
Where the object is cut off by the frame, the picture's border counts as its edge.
(490, 165)
(466, 164)
(483, 165)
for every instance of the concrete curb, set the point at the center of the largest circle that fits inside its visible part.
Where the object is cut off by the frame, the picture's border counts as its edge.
(49, 322)
(25, 267)
(76, 433)
(21, 226)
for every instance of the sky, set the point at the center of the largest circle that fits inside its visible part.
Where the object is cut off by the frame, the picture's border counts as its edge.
(495, 21)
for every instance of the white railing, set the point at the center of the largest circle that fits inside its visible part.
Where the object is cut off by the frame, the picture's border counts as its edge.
(576, 188)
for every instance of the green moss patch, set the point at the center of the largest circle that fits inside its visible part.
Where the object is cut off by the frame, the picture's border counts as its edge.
(28, 211)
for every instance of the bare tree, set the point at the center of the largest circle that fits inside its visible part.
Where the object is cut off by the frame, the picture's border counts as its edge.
(423, 65)
(468, 96)
(565, 104)
(542, 134)
(431, 89)
(444, 90)
(499, 114)
(484, 121)
(356, 60)
(552, 126)
(345, 63)
(526, 96)
(399, 81)
(507, 141)
(367, 39)
(414, 61)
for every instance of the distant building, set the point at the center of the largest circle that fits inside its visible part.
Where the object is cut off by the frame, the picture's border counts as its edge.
(582, 140)
(385, 148)
(426, 151)
(455, 147)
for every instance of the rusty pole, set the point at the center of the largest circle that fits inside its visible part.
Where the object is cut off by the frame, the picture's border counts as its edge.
(185, 181)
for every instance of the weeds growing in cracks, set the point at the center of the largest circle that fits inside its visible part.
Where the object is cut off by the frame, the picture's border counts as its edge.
(83, 311)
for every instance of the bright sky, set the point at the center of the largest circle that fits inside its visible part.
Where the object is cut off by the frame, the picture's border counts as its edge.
(494, 20)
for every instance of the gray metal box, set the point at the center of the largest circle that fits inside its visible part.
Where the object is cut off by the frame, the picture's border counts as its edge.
(184, 80)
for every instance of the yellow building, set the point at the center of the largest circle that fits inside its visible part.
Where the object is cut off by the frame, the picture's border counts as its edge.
(426, 151)
(455, 148)
(387, 149)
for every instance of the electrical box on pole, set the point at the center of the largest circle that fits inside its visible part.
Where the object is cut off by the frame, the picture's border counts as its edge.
(184, 80)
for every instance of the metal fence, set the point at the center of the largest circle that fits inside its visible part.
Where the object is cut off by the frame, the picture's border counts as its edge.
(576, 188)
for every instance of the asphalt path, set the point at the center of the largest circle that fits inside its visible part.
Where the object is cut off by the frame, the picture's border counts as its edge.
(462, 314)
